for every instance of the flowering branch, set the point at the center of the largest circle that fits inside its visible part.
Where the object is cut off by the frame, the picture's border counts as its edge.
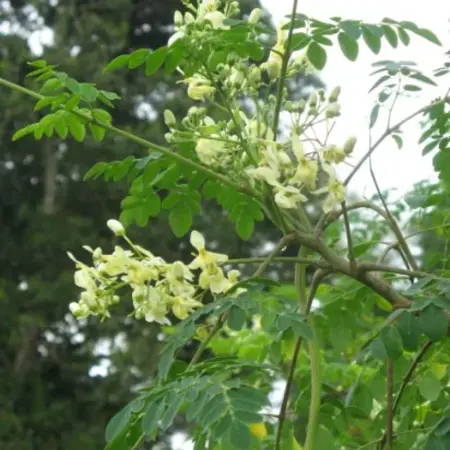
(142, 142)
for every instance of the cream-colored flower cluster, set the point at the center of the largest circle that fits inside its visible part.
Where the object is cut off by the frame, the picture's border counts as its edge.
(157, 287)
(244, 147)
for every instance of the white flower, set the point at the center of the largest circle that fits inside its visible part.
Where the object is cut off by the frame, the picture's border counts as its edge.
(332, 110)
(209, 150)
(116, 227)
(204, 258)
(288, 197)
(84, 279)
(182, 306)
(212, 278)
(264, 174)
(178, 276)
(307, 169)
(116, 263)
(199, 87)
(150, 304)
(79, 311)
(335, 189)
(216, 18)
(141, 272)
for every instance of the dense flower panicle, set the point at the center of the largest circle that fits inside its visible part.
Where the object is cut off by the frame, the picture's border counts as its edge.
(157, 287)
(244, 147)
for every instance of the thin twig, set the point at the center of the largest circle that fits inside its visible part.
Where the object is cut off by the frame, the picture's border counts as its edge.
(389, 131)
(390, 221)
(348, 233)
(283, 71)
(277, 249)
(408, 375)
(403, 248)
(283, 259)
(405, 382)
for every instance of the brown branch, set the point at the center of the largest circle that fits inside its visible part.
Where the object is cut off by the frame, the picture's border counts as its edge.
(405, 382)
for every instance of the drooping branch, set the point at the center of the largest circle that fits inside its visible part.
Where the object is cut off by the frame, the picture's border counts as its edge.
(142, 142)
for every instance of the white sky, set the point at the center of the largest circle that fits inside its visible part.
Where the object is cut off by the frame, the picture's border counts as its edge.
(394, 168)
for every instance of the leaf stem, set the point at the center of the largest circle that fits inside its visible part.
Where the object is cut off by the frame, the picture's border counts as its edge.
(142, 142)
(348, 233)
(282, 259)
(388, 131)
(405, 382)
(284, 64)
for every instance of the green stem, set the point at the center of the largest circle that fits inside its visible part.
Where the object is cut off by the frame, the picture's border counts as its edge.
(314, 355)
(142, 142)
(316, 387)
(283, 72)
(201, 348)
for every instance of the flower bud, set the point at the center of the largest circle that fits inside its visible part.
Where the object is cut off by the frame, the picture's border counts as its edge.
(349, 145)
(288, 106)
(255, 16)
(209, 121)
(334, 95)
(312, 102)
(169, 118)
(332, 110)
(116, 227)
(178, 19)
(189, 18)
(97, 254)
(273, 67)
(254, 75)
(76, 309)
(321, 94)
(300, 105)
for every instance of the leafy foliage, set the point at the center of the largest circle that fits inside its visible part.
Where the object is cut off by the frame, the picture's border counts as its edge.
(357, 317)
